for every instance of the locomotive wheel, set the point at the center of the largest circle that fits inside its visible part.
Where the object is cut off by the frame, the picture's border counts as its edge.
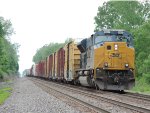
(121, 92)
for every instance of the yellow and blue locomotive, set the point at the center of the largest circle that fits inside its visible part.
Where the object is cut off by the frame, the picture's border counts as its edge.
(107, 60)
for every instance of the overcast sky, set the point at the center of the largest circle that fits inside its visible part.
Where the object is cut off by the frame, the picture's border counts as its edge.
(39, 22)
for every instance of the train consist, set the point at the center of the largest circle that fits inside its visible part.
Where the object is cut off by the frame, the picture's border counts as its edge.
(105, 60)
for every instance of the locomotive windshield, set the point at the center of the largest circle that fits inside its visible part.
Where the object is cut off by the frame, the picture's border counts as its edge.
(114, 38)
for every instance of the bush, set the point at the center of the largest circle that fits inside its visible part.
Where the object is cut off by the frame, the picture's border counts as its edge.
(10, 72)
(1, 74)
(1, 77)
(147, 78)
(142, 84)
(4, 76)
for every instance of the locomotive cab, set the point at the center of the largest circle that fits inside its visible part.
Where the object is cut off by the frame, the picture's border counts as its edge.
(107, 60)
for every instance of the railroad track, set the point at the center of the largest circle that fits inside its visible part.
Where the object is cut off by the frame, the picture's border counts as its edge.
(46, 87)
(125, 94)
(138, 96)
(101, 98)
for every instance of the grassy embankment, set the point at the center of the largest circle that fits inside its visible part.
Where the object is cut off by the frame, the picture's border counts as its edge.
(4, 94)
(142, 86)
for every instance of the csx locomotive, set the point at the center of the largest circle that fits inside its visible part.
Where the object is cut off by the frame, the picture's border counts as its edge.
(105, 60)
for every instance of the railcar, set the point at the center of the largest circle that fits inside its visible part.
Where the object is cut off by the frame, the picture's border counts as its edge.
(50, 66)
(55, 66)
(37, 73)
(26, 72)
(47, 67)
(42, 69)
(60, 64)
(72, 61)
(32, 70)
(107, 60)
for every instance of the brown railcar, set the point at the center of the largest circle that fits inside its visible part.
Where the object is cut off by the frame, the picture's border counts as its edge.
(37, 69)
(54, 75)
(47, 66)
(42, 68)
(50, 66)
(60, 63)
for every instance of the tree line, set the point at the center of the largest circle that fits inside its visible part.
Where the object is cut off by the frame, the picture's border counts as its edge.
(47, 50)
(8, 51)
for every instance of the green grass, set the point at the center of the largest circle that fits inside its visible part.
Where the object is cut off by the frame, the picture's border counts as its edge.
(4, 94)
(142, 86)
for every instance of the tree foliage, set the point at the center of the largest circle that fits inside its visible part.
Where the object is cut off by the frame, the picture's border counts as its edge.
(8, 51)
(47, 50)
(122, 14)
(142, 42)
(5, 27)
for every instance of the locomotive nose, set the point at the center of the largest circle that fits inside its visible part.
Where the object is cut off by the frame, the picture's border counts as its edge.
(116, 56)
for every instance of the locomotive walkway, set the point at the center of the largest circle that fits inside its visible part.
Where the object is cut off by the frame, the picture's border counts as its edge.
(28, 98)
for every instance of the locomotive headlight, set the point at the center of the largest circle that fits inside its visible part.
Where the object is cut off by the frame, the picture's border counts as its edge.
(106, 64)
(116, 47)
(126, 65)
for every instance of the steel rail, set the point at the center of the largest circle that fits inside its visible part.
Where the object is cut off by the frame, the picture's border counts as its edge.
(105, 99)
(75, 99)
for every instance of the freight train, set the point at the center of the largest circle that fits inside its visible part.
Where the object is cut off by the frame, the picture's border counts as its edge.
(104, 60)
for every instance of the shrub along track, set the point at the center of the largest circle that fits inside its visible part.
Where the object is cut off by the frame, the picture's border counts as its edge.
(94, 95)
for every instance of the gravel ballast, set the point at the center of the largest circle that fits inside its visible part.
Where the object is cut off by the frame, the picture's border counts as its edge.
(28, 98)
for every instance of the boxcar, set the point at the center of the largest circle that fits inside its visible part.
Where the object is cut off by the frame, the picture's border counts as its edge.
(54, 75)
(60, 63)
(35, 70)
(50, 66)
(32, 70)
(72, 60)
(26, 72)
(47, 67)
(42, 68)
